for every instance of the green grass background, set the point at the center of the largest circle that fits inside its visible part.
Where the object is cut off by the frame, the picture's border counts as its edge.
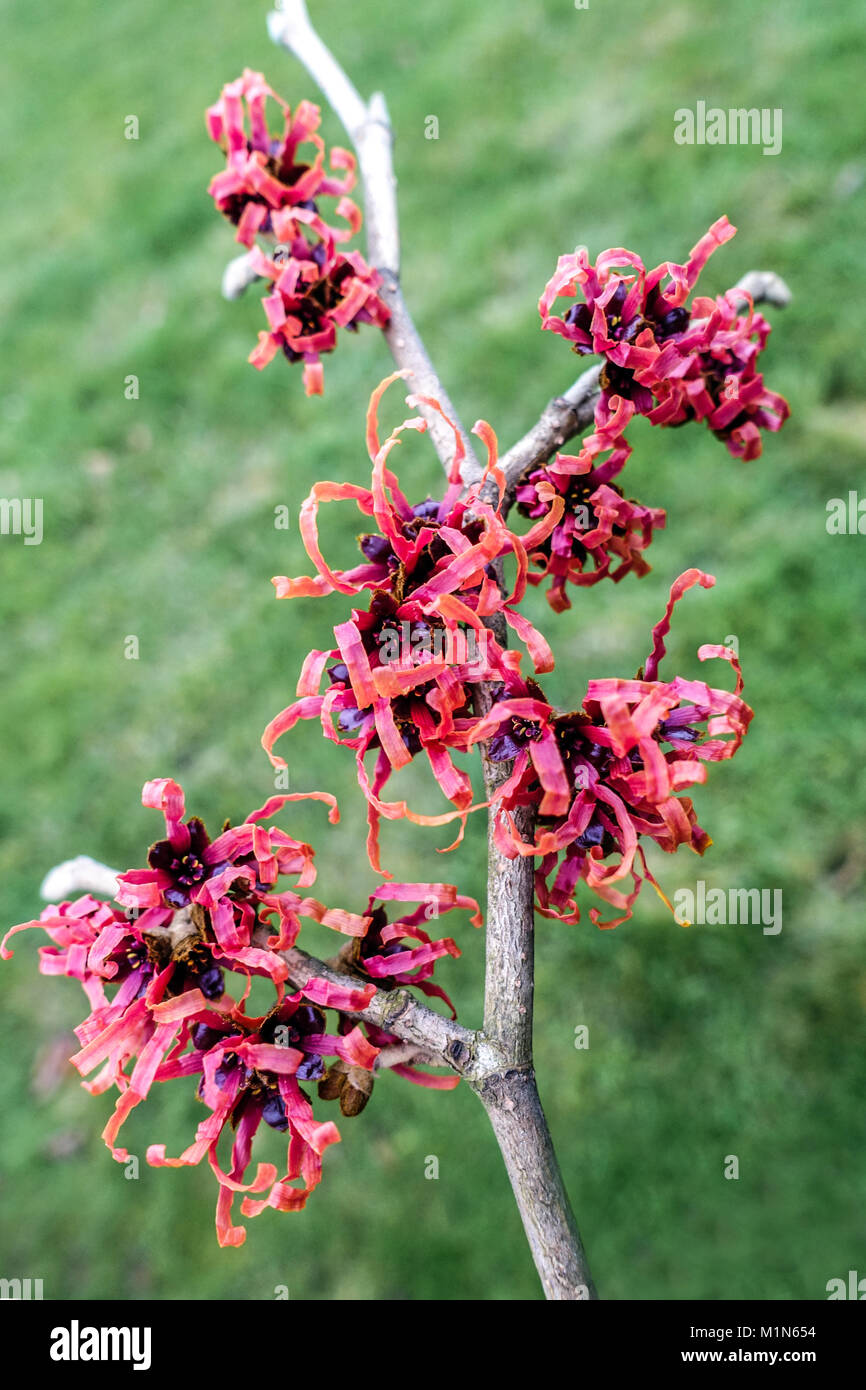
(555, 127)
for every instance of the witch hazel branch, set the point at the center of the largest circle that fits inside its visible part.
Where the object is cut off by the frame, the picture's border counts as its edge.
(420, 669)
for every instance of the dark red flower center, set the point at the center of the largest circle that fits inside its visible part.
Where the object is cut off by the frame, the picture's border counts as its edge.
(188, 869)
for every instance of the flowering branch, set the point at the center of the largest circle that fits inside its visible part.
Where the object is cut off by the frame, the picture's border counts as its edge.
(424, 670)
(369, 128)
(428, 1036)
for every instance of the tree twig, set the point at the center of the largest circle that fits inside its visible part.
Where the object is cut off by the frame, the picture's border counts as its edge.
(76, 876)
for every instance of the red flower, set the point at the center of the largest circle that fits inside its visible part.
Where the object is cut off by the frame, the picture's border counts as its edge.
(709, 373)
(268, 186)
(404, 669)
(313, 293)
(385, 953)
(232, 878)
(674, 363)
(610, 773)
(598, 525)
(388, 956)
(250, 1073)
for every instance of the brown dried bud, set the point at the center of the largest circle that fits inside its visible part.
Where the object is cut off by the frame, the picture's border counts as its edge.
(356, 1091)
(199, 917)
(333, 1081)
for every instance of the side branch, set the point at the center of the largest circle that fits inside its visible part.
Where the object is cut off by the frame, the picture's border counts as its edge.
(432, 1036)
(397, 1011)
(562, 418)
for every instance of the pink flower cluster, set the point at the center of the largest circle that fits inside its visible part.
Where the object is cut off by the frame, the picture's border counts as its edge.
(272, 187)
(673, 361)
(661, 358)
(168, 980)
(429, 568)
(609, 773)
(600, 778)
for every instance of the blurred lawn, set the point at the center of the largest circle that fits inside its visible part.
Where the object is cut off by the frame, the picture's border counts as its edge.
(555, 128)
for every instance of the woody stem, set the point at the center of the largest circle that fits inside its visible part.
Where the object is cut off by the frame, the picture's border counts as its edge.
(497, 1063)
